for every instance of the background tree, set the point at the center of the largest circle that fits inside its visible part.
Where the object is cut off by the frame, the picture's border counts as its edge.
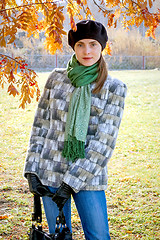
(14, 71)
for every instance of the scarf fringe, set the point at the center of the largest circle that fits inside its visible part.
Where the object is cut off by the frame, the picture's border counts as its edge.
(73, 149)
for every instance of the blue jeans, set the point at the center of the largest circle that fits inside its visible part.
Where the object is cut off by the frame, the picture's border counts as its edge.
(92, 209)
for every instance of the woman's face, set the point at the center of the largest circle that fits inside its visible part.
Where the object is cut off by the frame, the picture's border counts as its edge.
(88, 51)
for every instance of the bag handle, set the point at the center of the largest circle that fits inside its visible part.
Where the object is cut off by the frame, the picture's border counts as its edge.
(60, 222)
(37, 212)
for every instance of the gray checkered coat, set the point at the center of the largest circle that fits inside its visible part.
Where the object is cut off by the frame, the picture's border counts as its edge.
(47, 136)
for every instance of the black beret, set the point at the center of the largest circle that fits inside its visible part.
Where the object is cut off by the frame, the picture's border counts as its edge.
(88, 29)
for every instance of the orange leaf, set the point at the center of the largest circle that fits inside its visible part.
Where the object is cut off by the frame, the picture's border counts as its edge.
(73, 24)
(3, 42)
(144, 5)
(107, 50)
(12, 90)
(32, 90)
(150, 3)
(2, 217)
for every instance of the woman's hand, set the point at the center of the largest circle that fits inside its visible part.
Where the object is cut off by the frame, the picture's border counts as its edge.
(62, 195)
(36, 187)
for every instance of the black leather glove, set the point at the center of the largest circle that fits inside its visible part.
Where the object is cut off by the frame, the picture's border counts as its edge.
(62, 195)
(36, 187)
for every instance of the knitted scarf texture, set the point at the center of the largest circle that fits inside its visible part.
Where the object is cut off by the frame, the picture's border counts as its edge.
(79, 108)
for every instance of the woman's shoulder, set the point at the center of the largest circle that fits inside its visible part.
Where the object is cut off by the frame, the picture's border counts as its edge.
(57, 75)
(58, 72)
(112, 83)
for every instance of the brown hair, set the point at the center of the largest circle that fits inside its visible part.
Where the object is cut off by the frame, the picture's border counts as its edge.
(102, 75)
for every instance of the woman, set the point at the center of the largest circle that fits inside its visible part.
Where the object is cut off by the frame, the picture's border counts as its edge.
(74, 134)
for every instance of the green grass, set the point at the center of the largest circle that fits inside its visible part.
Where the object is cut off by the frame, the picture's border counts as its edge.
(134, 172)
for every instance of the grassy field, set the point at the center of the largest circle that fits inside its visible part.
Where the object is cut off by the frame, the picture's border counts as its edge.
(134, 170)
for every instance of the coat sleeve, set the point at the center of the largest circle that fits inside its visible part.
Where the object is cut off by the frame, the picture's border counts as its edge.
(101, 147)
(39, 131)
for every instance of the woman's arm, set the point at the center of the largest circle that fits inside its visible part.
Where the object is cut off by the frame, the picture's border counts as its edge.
(39, 131)
(101, 147)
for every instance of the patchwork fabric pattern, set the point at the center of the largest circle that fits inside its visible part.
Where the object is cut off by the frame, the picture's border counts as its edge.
(47, 136)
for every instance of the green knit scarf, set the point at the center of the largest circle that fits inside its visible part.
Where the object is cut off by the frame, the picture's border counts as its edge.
(79, 108)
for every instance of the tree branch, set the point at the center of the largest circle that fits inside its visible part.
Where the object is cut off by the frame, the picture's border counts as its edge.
(13, 59)
(136, 3)
(102, 8)
(133, 3)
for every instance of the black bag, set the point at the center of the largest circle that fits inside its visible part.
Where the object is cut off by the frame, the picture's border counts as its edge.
(36, 232)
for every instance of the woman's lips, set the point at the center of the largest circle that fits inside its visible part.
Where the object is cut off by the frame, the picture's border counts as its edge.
(87, 58)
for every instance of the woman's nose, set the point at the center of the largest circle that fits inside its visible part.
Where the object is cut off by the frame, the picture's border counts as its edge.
(87, 50)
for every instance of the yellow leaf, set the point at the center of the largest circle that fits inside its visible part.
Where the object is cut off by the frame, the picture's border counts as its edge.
(117, 13)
